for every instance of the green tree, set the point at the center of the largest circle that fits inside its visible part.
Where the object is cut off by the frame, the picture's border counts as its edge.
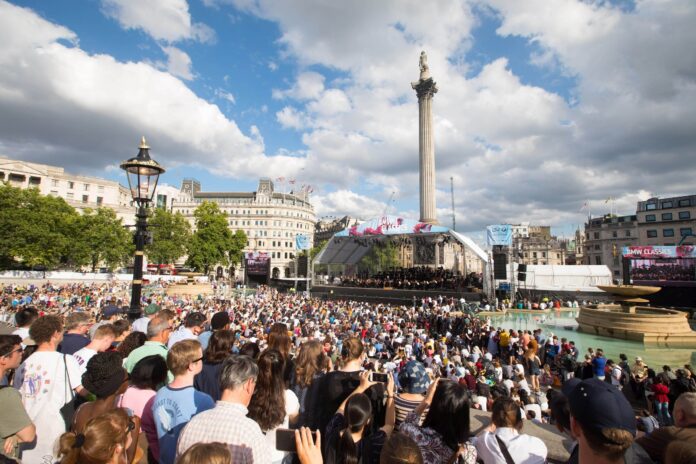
(213, 242)
(235, 251)
(314, 251)
(381, 257)
(170, 236)
(35, 230)
(102, 239)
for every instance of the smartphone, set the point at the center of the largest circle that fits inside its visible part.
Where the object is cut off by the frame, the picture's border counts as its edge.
(377, 377)
(285, 440)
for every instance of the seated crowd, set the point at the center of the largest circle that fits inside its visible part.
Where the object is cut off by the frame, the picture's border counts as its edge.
(414, 278)
(282, 378)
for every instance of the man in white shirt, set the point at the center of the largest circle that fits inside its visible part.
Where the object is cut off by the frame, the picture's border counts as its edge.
(140, 325)
(227, 422)
(23, 320)
(194, 325)
(104, 336)
(503, 437)
(615, 373)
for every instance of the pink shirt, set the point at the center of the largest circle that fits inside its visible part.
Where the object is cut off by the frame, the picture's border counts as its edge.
(135, 399)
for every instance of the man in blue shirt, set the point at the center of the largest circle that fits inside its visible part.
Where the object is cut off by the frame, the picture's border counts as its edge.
(598, 364)
(178, 402)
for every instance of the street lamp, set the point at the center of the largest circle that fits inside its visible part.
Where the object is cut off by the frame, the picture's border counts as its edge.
(143, 174)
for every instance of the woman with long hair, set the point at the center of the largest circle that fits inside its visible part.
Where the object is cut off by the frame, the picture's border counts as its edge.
(272, 406)
(104, 440)
(310, 368)
(132, 341)
(348, 436)
(532, 365)
(279, 339)
(444, 434)
(219, 348)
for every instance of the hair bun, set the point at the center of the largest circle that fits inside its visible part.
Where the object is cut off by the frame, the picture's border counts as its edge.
(79, 440)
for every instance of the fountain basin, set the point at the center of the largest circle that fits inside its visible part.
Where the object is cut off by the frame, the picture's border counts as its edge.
(643, 324)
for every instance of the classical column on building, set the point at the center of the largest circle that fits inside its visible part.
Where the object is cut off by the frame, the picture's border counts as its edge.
(425, 88)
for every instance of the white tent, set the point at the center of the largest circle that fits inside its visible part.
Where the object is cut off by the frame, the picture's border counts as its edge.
(581, 278)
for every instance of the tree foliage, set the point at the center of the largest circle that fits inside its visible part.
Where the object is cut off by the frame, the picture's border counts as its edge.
(170, 236)
(213, 242)
(381, 257)
(102, 239)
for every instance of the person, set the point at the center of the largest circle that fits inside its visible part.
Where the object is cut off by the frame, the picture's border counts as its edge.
(46, 380)
(532, 367)
(680, 452)
(601, 420)
(684, 428)
(347, 435)
(445, 430)
(16, 426)
(227, 422)
(104, 440)
(158, 331)
(109, 315)
(219, 347)
(24, 318)
(661, 392)
(278, 339)
(647, 423)
(273, 406)
(615, 374)
(400, 449)
(599, 363)
(194, 325)
(176, 403)
(503, 437)
(150, 312)
(310, 369)
(207, 453)
(77, 325)
(414, 383)
(104, 336)
(132, 341)
(219, 321)
(639, 374)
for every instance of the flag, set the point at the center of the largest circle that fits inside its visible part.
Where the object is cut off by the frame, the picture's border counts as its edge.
(280, 179)
(584, 206)
(607, 200)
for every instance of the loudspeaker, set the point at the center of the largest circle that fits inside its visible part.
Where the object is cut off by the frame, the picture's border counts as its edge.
(500, 266)
(521, 272)
(302, 266)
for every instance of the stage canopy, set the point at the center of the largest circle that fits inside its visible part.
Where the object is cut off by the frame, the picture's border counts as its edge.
(348, 246)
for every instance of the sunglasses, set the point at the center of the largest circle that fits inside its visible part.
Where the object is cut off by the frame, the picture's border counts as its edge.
(196, 360)
(18, 350)
(131, 425)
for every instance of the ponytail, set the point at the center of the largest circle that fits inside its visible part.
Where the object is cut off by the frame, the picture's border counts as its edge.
(347, 449)
(68, 448)
(358, 415)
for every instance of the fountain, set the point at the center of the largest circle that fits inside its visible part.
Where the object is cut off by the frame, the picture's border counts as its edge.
(190, 287)
(627, 320)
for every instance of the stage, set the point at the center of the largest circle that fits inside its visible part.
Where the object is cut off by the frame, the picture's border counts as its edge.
(386, 295)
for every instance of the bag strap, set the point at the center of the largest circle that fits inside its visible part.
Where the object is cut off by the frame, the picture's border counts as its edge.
(67, 377)
(504, 450)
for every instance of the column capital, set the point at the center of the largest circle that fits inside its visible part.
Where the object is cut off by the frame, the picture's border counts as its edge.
(425, 87)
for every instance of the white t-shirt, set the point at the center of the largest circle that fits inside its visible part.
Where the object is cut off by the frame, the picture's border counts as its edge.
(292, 407)
(44, 388)
(140, 325)
(616, 376)
(83, 356)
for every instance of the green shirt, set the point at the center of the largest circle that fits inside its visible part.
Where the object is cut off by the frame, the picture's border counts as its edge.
(14, 417)
(148, 349)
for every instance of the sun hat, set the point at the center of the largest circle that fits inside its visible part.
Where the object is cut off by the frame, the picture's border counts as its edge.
(413, 378)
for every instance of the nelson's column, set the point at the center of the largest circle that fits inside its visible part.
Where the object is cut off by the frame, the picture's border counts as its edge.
(425, 88)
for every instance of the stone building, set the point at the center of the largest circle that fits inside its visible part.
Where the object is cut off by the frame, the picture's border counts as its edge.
(326, 227)
(604, 238)
(535, 245)
(665, 221)
(270, 219)
(80, 192)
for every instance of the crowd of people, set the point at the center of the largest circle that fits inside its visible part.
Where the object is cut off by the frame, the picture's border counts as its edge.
(685, 272)
(414, 278)
(284, 378)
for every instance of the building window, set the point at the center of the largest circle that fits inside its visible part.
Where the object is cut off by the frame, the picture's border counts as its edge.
(652, 233)
(684, 231)
(651, 206)
(614, 234)
(666, 204)
(85, 187)
(71, 184)
(628, 233)
(100, 188)
(666, 216)
(596, 247)
(668, 232)
(54, 182)
(650, 218)
(100, 200)
(85, 198)
(685, 202)
(70, 195)
(596, 235)
(684, 215)
(598, 260)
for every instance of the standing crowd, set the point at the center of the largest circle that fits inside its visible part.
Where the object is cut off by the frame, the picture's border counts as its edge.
(283, 378)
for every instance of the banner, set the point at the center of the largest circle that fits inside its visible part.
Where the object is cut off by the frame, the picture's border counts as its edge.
(390, 225)
(302, 242)
(659, 252)
(257, 263)
(500, 234)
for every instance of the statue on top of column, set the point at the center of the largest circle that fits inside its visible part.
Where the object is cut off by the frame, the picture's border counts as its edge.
(423, 63)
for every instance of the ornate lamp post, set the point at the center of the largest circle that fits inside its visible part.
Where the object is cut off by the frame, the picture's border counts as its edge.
(143, 174)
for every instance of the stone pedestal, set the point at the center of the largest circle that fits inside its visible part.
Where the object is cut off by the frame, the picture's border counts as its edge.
(425, 88)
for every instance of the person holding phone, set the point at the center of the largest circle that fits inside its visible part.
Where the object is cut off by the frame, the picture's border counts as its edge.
(348, 437)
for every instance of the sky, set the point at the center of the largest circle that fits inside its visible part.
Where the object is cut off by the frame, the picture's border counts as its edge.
(544, 106)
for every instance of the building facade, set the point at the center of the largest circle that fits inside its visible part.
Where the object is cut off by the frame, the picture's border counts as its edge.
(270, 219)
(80, 192)
(535, 245)
(604, 238)
(666, 221)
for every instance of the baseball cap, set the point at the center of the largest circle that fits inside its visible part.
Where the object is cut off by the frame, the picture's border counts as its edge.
(111, 311)
(413, 378)
(151, 309)
(600, 405)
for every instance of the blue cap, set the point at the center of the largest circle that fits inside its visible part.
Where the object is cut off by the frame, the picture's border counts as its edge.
(600, 405)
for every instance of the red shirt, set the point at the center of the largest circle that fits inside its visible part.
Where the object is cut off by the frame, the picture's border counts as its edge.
(661, 390)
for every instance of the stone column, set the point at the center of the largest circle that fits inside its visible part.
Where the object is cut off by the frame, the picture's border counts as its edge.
(425, 88)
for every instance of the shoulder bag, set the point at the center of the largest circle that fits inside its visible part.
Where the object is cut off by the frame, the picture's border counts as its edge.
(68, 409)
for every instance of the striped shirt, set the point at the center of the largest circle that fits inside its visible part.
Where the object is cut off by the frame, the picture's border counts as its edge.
(403, 407)
(227, 423)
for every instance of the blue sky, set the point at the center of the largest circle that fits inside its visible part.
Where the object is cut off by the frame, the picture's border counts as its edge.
(543, 105)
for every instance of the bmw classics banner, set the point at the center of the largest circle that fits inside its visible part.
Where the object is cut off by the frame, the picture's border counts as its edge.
(500, 234)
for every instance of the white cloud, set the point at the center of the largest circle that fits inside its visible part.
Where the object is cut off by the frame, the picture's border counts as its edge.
(225, 96)
(166, 20)
(289, 117)
(346, 202)
(308, 85)
(178, 63)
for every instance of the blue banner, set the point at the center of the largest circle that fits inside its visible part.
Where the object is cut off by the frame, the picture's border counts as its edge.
(302, 242)
(500, 234)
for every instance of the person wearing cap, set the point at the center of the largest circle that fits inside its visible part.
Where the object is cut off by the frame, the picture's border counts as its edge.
(76, 327)
(413, 382)
(194, 325)
(110, 314)
(684, 428)
(16, 426)
(603, 423)
(219, 321)
(639, 373)
(140, 325)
